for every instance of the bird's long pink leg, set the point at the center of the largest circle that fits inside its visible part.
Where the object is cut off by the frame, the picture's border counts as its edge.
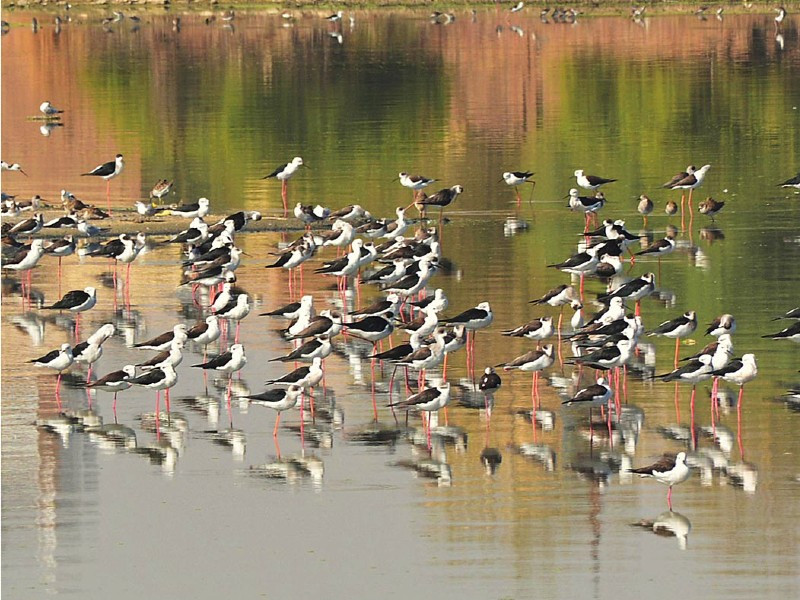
(739, 422)
(277, 422)
(691, 406)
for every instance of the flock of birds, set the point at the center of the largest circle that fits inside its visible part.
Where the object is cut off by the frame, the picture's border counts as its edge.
(604, 342)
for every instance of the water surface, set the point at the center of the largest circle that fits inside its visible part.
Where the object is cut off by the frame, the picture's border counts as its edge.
(194, 511)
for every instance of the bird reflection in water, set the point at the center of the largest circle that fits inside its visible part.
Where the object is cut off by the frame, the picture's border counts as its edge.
(112, 436)
(202, 404)
(233, 439)
(291, 469)
(32, 325)
(541, 453)
(376, 434)
(440, 472)
(669, 524)
(711, 234)
(491, 458)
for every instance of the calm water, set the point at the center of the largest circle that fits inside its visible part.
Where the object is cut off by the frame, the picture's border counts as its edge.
(205, 508)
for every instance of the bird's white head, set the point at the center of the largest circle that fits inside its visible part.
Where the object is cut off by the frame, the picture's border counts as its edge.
(129, 370)
(579, 173)
(91, 291)
(681, 457)
(485, 306)
(203, 201)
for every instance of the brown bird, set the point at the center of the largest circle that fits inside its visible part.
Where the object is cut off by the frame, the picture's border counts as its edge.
(711, 207)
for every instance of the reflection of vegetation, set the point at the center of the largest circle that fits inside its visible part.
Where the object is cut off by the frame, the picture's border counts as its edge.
(218, 123)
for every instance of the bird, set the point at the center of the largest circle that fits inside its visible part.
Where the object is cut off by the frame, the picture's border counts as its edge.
(116, 381)
(29, 227)
(677, 328)
(588, 205)
(423, 324)
(48, 110)
(791, 314)
(350, 213)
(437, 301)
(372, 329)
(309, 213)
(328, 323)
(669, 470)
(609, 356)
(279, 399)
(660, 247)
(237, 309)
(580, 263)
(194, 210)
(721, 325)
(597, 394)
(441, 199)
(172, 356)
(739, 371)
(671, 207)
(590, 182)
(710, 207)
(283, 173)
(792, 182)
(319, 346)
(414, 182)
(108, 171)
(680, 176)
(781, 16)
(64, 247)
(306, 377)
(537, 329)
(645, 207)
(196, 233)
(12, 167)
(25, 258)
(635, 290)
(162, 378)
(76, 301)
(229, 362)
(163, 341)
(474, 318)
(428, 400)
(291, 310)
(556, 297)
(59, 360)
(691, 182)
(335, 17)
(534, 362)
(517, 178)
(161, 189)
(490, 381)
(789, 333)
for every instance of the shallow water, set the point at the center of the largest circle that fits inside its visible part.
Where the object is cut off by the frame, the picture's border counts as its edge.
(195, 510)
